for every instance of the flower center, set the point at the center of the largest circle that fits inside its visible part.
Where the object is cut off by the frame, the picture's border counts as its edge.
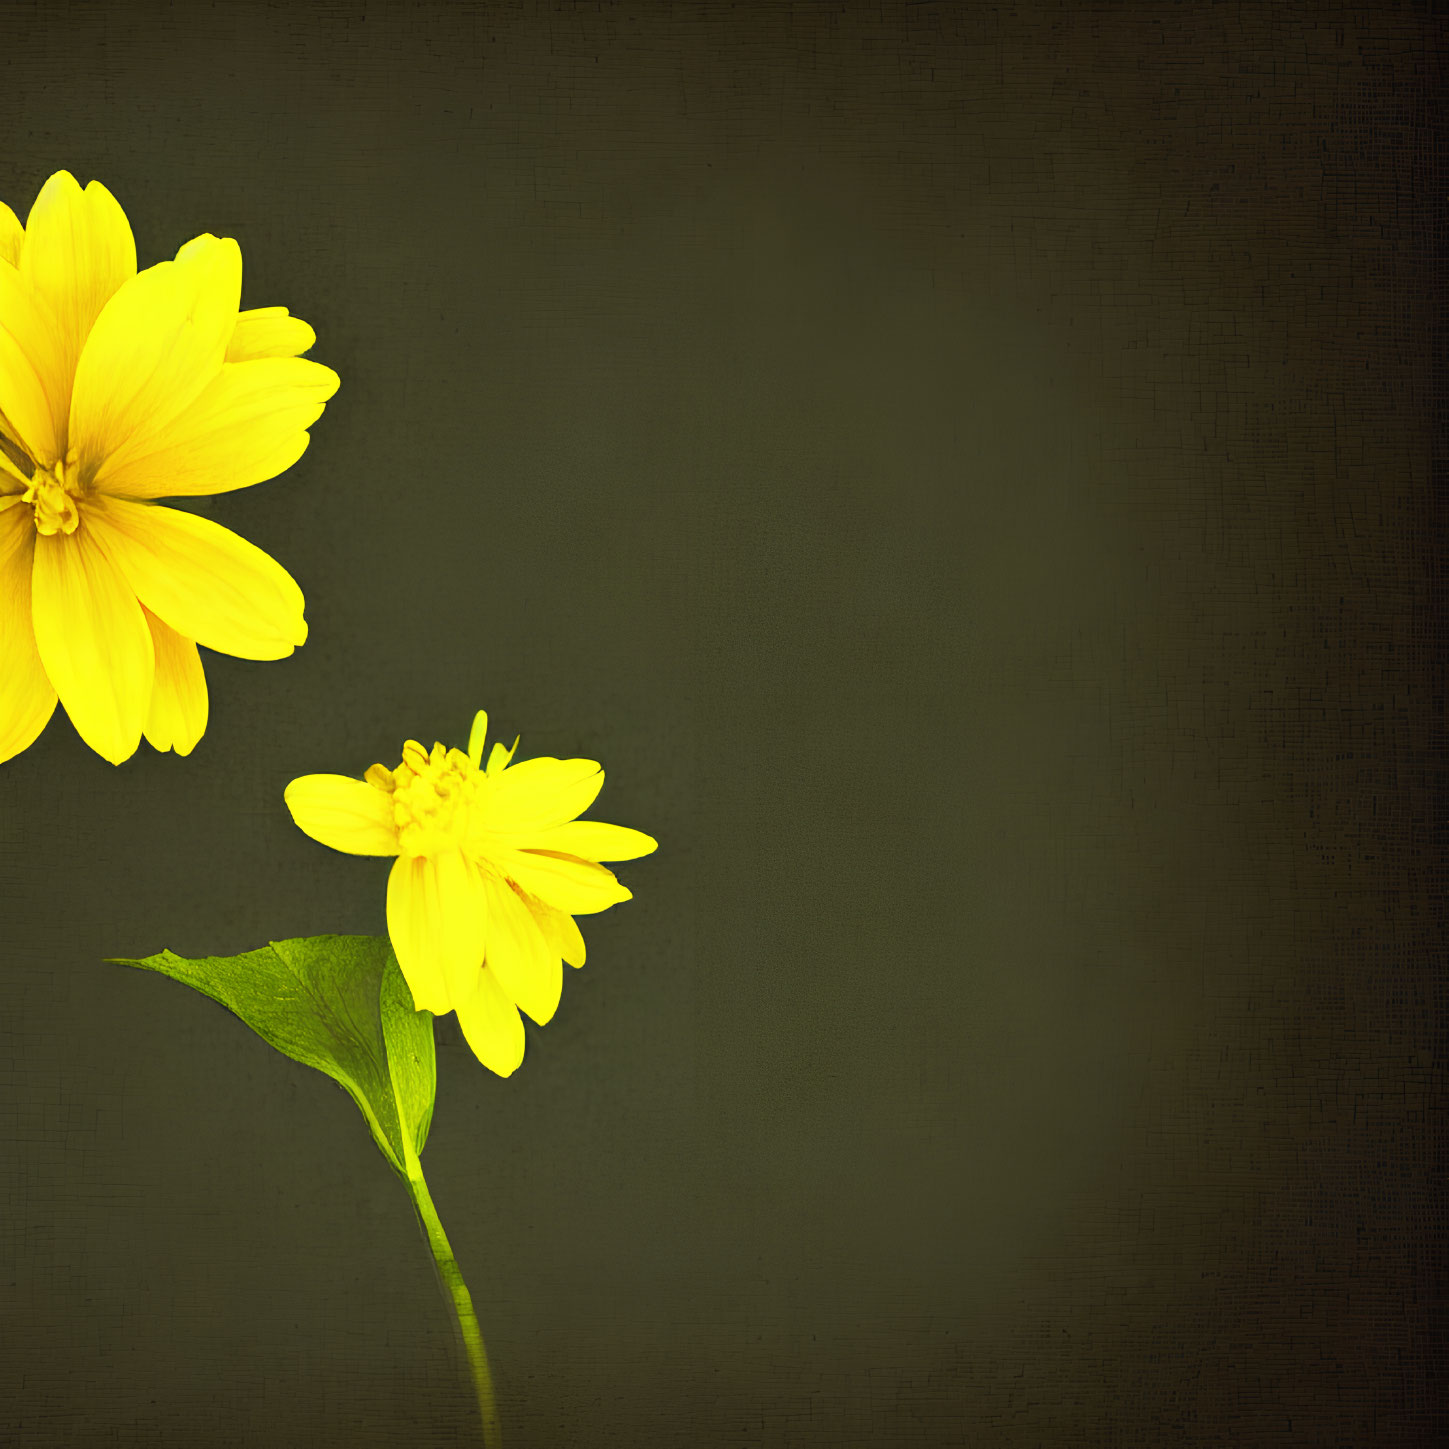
(52, 494)
(431, 796)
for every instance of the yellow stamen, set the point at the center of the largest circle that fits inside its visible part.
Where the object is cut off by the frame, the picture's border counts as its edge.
(431, 797)
(52, 494)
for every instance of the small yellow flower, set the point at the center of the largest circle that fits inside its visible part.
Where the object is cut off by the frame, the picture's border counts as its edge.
(492, 867)
(117, 388)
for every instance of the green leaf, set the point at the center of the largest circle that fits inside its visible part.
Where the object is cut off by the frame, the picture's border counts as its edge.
(408, 1035)
(340, 1004)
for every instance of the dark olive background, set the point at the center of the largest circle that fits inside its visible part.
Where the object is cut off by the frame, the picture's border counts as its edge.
(965, 473)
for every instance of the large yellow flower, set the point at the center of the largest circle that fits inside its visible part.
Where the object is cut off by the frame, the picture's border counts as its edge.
(116, 388)
(492, 867)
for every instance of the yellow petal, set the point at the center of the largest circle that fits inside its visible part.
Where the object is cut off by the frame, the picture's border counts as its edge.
(156, 346)
(476, 737)
(31, 363)
(346, 814)
(592, 840)
(499, 756)
(78, 253)
(204, 580)
(491, 1024)
(27, 700)
(559, 930)
(12, 478)
(538, 794)
(12, 236)
(576, 887)
(268, 332)
(517, 953)
(247, 426)
(177, 717)
(93, 641)
(571, 939)
(436, 917)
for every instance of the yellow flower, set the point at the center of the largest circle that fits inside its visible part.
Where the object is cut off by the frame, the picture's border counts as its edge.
(116, 388)
(492, 867)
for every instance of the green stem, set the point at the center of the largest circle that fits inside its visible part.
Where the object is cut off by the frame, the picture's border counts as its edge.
(457, 1291)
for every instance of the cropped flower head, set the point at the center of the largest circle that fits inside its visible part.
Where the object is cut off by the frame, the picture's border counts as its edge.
(118, 387)
(492, 867)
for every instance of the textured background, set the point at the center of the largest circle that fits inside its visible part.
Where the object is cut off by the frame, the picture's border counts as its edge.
(965, 471)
